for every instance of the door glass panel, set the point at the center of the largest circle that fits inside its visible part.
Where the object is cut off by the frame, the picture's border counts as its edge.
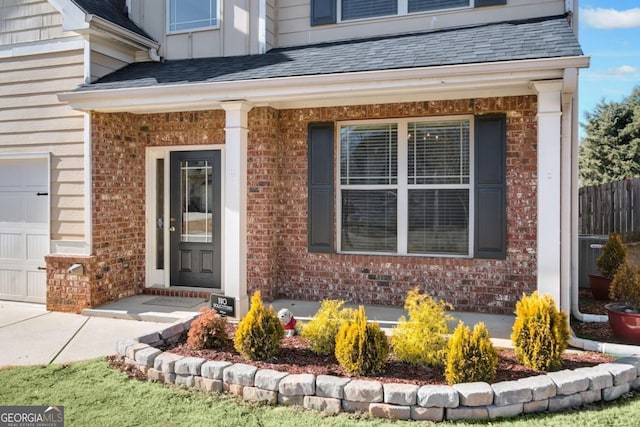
(160, 214)
(195, 201)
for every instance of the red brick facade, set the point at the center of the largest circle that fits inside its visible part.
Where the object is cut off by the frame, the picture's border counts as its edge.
(278, 263)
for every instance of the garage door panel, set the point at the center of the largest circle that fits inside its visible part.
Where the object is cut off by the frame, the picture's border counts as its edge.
(12, 246)
(37, 246)
(12, 207)
(12, 282)
(37, 285)
(24, 228)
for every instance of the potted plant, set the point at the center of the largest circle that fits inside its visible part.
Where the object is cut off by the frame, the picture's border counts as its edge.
(624, 315)
(614, 254)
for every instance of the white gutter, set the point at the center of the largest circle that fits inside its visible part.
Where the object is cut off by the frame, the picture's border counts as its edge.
(125, 36)
(323, 90)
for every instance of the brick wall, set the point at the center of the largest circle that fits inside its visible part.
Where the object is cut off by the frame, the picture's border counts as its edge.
(469, 284)
(116, 268)
(262, 200)
(278, 263)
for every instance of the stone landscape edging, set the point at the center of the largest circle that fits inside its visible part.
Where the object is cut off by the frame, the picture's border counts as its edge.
(551, 392)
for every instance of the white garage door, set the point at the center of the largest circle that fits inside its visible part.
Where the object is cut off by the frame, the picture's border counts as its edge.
(24, 228)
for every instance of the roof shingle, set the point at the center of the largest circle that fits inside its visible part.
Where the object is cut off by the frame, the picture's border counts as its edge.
(507, 41)
(112, 11)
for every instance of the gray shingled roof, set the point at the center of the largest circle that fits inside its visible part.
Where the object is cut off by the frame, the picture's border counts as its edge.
(507, 41)
(112, 11)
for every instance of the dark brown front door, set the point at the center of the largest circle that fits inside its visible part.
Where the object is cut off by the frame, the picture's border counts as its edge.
(195, 219)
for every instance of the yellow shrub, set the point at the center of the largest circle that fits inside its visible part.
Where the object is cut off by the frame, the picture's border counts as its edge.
(361, 347)
(321, 331)
(209, 330)
(422, 338)
(540, 332)
(259, 332)
(471, 356)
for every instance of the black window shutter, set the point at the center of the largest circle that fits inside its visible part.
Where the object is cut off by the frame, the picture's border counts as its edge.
(490, 186)
(323, 12)
(321, 187)
(482, 3)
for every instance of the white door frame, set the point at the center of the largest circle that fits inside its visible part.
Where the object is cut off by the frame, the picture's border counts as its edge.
(160, 278)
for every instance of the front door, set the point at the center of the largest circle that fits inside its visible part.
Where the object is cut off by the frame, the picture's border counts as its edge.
(194, 223)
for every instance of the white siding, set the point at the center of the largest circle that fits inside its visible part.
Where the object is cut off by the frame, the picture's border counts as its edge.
(294, 15)
(32, 120)
(28, 21)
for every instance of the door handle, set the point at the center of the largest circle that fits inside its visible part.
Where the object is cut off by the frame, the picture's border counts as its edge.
(172, 228)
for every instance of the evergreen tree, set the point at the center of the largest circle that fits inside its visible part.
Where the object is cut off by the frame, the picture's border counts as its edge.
(611, 149)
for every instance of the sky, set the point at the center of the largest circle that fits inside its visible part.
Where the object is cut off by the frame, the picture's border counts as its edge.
(609, 33)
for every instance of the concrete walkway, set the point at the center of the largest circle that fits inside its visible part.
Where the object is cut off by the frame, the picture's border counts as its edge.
(31, 335)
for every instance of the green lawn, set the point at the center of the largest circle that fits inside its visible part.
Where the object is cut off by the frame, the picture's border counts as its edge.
(95, 395)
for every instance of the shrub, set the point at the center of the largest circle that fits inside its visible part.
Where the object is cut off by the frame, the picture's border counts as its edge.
(540, 332)
(422, 338)
(209, 330)
(321, 331)
(259, 332)
(471, 356)
(361, 347)
(614, 254)
(625, 286)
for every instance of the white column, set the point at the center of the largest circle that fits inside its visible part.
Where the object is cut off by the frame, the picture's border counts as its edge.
(234, 239)
(549, 186)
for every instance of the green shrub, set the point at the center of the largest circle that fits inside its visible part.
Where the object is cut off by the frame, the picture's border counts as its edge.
(614, 254)
(361, 347)
(471, 356)
(625, 286)
(422, 338)
(259, 332)
(321, 331)
(209, 330)
(540, 332)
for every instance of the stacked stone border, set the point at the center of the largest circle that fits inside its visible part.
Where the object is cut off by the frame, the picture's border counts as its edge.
(552, 392)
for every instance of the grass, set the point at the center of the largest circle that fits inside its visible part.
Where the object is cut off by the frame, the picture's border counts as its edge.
(94, 394)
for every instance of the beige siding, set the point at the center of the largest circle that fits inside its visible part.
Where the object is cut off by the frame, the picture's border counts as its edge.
(294, 15)
(32, 120)
(101, 65)
(25, 21)
(271, 24)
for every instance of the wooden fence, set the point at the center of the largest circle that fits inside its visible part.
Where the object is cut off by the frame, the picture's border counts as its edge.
(612, 207)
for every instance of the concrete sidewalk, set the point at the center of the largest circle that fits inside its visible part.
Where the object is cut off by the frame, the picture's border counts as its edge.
(31, 335)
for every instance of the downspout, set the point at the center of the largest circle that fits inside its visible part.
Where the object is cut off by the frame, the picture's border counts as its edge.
(569, 275)
(569, 230)
(153, 54)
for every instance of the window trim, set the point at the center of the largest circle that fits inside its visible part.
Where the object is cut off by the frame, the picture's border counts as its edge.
(195, 29)
(402, 187)
(403, 10)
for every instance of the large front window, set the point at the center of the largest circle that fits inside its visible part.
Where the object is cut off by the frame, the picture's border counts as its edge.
(405, 187)
(358, 9)
(192, 14)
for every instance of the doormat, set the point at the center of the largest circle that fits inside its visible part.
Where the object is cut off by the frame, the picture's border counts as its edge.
(175, 301)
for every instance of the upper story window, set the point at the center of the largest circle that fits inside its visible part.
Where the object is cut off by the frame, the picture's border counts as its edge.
(192, 14)
(359, 9)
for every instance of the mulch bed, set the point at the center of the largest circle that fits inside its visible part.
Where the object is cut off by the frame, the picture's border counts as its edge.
(597, 331)
(296, 358)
